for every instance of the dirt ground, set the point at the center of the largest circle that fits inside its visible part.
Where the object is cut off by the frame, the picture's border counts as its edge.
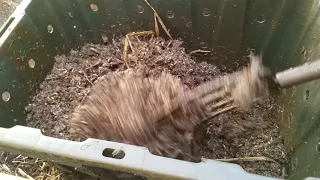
(6, 8)
(230, 135)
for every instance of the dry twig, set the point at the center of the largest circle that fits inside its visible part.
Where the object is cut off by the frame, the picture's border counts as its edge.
(95, 51)
(94, 65)
(128, 43)
(125, 51)
(198, 51)
(24, 174)
(85, 75)
(156, 27)
(6, 168)
(159, 19)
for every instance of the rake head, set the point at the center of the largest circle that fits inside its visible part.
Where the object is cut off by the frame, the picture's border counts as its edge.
(236, 90)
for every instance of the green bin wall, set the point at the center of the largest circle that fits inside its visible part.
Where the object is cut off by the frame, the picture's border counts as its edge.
(285, 31)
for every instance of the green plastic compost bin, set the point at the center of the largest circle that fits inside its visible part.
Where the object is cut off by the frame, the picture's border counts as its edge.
(286, 31)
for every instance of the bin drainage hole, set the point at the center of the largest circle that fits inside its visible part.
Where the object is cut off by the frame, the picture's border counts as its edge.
(50, 28)
(261, 19)
(5, 96)
(31, 63)
(140, 9)
(94, 7)
(170, 14)
(113, 153)
(318, 147)
(307, 94)
(206, 12)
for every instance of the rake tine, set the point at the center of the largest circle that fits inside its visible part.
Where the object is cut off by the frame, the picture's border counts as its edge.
(226, 109)
(210, 98)
(221, 103)
(214, 85)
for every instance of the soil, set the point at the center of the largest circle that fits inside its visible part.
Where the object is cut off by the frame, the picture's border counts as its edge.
(238, 134)
(7, 7)
(230, 135)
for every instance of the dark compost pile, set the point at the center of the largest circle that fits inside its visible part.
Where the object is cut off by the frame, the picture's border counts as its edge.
(230, 135)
